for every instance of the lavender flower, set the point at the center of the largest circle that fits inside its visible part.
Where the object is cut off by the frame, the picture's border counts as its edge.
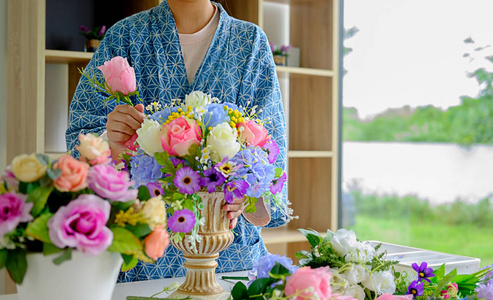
(155, 189)
(263, 265)
(416, 288)
(485, 291)
(235, 189)
(187, 180)
(212, 178)
(182, 221)
(423, 271)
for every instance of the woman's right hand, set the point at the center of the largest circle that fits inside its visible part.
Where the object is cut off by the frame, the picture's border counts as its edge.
(121, 125)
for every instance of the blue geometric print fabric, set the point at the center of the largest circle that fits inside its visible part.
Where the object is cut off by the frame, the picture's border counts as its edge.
(237, 68)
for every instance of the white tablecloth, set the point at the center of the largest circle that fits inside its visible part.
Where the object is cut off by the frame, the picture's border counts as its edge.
(151, 287)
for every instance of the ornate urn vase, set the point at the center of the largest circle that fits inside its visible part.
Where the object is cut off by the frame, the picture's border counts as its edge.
(216, 236)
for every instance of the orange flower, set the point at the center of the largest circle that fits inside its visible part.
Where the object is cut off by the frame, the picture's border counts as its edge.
(74, 174)
(156, 242)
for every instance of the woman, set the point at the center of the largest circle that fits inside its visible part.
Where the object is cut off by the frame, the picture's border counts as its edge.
(175, 48)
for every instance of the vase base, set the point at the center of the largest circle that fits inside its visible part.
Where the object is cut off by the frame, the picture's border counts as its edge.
(221, 296)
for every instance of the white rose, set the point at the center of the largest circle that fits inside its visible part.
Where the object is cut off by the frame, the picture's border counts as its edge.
(196, 99)
(223, 142)
(380, 282)
(149, 137)
(93, 147)
(155, 212)
(363, 252)
(344, 241)
(356, 291)
(356, 274)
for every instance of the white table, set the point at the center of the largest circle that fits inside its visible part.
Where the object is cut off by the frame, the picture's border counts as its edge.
(151, 287)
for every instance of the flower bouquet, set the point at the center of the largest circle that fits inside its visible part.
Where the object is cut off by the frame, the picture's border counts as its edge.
(341, 267)
(57, 207)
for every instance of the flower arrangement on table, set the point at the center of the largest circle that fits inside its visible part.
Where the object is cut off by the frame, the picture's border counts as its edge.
(96, 33)
(68, 204)
(340, 267)
(196, 144)
(280, 53)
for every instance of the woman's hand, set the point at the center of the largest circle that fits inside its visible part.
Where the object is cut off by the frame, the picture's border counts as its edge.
(234, 211)
(121, 125)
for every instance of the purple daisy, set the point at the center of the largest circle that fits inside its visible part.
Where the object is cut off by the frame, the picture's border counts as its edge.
(212, 178)
(272, 149)
(278, 184)
(416, 288)
(182, 221)
(235, 189)
(155, 189)
(423, 271)
(187, 181)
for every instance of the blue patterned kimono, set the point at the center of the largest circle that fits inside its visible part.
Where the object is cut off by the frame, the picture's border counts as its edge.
(237, 68)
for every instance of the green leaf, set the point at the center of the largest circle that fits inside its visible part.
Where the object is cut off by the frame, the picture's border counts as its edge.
(144, 193)
(250, 205)
(279, 269)
(314, 238)
(124, 241)
(239, 291)
(53, 173)
(16, 264)
(139, 230)
(44, 159)
(178, 196)
(129, 262)
(39, 196)
(3, 257)
(49, 248)
(278, 172)
(66, 255)
(444, 281)
(259, 285)
(38, 228)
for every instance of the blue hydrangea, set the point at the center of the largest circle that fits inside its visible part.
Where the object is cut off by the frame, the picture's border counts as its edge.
(262, 267)
(215, 115)
(144, 169)
(162, 115)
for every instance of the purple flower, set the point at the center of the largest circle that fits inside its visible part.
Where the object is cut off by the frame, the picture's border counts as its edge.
(13, 210)
(85, 29)
(10, 180)
(416, 288)
(144, 169)
(111, 184)
(102, 31)
(212, 179)
(272, 149)
(182, 221)
(82, 225)
(187, 181)
(423, 271)
(278, 184)
(235, 189)
(155, 189)
(263, 265)
(485, 291)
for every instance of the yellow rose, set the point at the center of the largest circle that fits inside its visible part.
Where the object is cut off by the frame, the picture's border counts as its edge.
(155, 212)
(27, 168)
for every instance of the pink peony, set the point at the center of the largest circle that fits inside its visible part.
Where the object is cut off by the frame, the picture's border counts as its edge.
(13, 210)
(253, 133)
(179, 135)
(309, 283)
(74, 174)
(156, 242)
(109, 183)
(395, 297)
(82, 225)
(10, 180)
(119, 75)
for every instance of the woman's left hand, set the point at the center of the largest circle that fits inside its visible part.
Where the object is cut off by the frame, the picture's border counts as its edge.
(234, 211)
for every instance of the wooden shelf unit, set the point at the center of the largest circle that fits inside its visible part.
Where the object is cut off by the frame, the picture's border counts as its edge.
(313, 99)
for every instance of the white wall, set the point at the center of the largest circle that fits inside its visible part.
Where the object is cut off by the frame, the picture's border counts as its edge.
(3, 102)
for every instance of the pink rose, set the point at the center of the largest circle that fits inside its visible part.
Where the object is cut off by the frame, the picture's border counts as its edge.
(179, 135)
(119, 75)
(10, 180)
(451, 291)
(109, 183)
(13, 210)
(304, 278)
(82, 225)
(74, 174)
(156, 242)
(253, 133)
(93, 149)
(395, 297)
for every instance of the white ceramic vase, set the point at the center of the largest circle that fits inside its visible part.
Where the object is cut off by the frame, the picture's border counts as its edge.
(80, 278)
(216, 236)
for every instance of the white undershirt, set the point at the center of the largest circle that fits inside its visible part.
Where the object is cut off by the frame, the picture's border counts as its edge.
(195, 46)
